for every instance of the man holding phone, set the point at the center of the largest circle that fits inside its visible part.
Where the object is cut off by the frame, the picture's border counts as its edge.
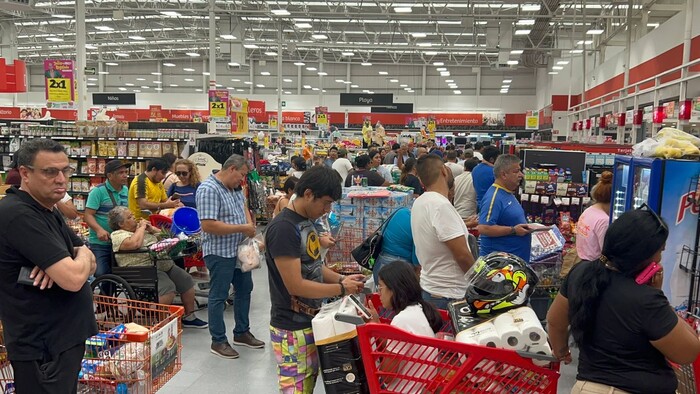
(502, 222)
(147, 192)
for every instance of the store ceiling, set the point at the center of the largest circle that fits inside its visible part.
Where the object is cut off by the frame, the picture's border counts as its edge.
(456, 32)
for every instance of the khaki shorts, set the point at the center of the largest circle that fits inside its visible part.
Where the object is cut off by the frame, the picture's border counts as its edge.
(586, 387)
(174, 280)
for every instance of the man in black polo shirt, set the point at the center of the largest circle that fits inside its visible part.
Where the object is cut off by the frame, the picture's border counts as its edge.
(45, 323)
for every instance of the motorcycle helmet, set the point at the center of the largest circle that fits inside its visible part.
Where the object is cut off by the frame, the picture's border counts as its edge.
(499, 282)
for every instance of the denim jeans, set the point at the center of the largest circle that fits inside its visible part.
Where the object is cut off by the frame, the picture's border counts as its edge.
(223, 273)
(103, 257)
(438, 302)
(383, 259)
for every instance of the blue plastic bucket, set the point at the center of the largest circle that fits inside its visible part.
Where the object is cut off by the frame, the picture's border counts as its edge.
(186, 220)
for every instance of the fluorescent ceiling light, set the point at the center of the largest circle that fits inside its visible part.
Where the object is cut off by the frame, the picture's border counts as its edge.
(516, 52)
(576, 51)
(92, 79)
(169, 64)
(438, 64)
(266, 73)
(173, 85)
(103, 28)
(522, 32)
(287, 80)
(449, 80)
(403, 10)
(188, 69)
(206, 73)
(505, 86)
(530, 7)
(481, 23)
(280, 12)
(440, 69)
(512, 62)
(228, 37)
(315, 89)
(355, 86)
(383, 73)
(234, 64)
(403, 85)
(145, 87)
(394, 80)
(62, 16)
(303, 25)
(424, 44)
(156, 73)
(311, 68)
(89, 46)
(553, 73)
(198, 90)
(586, 42)
(140, 79)
(504, 91)
(563, 62)
(54, 39)
(248, 83)
(287, 92)
(418, 35)
(192, 54)
(270, 53)
(347, 82)
(158, 89)
(457, 92)
(170, 13)
(299, 63)
(250, 46)
(444, 73)
(449, 22)
(121, 54)
(189, 80)
(122, 89)
(348, 53)
(307, 86)
(525, 22)
(595, 32)
(137, 91)
(507, 80)
(128, 84)
(112, 64)
(319, 36)
(235, 80)
(340, 80)
(322, 73)
(557, 68)
(260, 85)
(366, 64)
(137, 38)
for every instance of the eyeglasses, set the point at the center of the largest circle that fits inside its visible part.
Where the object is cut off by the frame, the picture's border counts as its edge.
(52, 172)
(659, 221)
(182, 173)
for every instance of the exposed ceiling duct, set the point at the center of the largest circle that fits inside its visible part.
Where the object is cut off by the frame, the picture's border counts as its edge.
(538, 36)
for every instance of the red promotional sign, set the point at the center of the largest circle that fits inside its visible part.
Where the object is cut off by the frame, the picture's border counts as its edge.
(659, 114)
(603, 123)
(684, 109)
(637, 117)
(621, 119)
(256, 110)
(9, 113)
(574, 126)
(156, 111)
(180, 115)
(588, 124)
(124, 115)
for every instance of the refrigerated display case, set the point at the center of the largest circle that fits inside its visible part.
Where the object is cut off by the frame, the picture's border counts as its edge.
(664, 185)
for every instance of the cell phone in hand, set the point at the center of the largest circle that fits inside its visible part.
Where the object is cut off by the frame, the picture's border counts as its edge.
(360, 307)
(175, 196)
(645, 276)
(23, 278)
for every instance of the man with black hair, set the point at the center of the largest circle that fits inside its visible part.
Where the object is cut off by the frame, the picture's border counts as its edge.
(478, 147)
(391, 155)
(451, 163)
(440, 236)
(299, 280)
(363, 171)
(332, 156)
(147, 193)
(465, 195)
(47, 319)
(342, 165)
(483, 173)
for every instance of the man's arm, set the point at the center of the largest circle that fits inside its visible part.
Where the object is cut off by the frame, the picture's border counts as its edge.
(290, 271)
(71, 274)
(218, 227)
(67, 209)
(89, 217)
(503, 231)
(460, 252)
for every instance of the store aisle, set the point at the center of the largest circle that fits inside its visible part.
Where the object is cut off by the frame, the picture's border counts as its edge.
(254, 372)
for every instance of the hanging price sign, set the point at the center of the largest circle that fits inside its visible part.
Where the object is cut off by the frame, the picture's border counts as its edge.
(59, 89)
(218, 110)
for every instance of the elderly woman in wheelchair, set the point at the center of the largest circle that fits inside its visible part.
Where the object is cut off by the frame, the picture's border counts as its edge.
(131, 235)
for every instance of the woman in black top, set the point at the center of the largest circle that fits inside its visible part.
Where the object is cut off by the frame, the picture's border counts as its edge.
(409, 178)
(625, 331)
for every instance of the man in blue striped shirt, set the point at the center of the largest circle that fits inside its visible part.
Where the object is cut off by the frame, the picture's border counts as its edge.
(226, 222)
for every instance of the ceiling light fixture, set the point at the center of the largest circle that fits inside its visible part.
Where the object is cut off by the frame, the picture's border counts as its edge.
(122, 89)
(112, 64)
(140, 79)
(288, 80)
(121, 54)
(303, 25)
(206, 73)
(576, 51)
(265, 73)
(355, 86)
(270, 53)
(348, 53)
(383, 73)
(158, 89)
(530, 7)
(62, 16)
(250, 46)
(322, 73)
(299, 64)
(525, 22)
(418, 35)
(394, 80)
(192, 54)
(516, 52)
(137, 38)
(366, 64)
(188, 69)
(512, 62)
(449, 80)
(457, 92)
(128, 84)
(170, 13)
(595, 32)
(403, 10)
(522, 32)
(54, 39)
(563, 62)
(227, 37)
(189, 80)
(507, 81)
(104, 28)
(438, 64)
(234, 64)
(280, 12)
(481, 22)
(340, 80)
(444, 73)
(584, 42)
(557, 68)
(553, 73)
(157, 82)
(319, 36)
(156, 73)
(260, 85)
(248, 83)
(169, 64)
(403, 85)
(311, 68)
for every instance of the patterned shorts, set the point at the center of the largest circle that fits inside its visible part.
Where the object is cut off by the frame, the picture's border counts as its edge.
(297, 360)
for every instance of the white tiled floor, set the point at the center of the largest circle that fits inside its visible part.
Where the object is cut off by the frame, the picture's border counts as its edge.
(254, 372)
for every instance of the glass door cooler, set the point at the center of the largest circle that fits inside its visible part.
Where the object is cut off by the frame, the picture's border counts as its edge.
(621, 180)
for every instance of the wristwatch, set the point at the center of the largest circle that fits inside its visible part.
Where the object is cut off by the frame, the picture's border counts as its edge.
(512, 230)
(342, 278)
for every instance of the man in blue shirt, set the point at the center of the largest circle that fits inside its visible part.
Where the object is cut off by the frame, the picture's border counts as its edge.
(482, 174)
(226, 222)
(502, 222)
(100, 201)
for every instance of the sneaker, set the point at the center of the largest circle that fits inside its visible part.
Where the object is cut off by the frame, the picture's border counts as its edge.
(249, 340)
(194, 323)
(224, 350)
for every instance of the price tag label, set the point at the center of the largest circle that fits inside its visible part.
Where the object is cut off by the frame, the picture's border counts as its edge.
(59, 89)
(217, 109)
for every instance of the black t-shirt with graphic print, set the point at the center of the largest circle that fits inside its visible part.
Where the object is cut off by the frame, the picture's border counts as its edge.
(291, 235)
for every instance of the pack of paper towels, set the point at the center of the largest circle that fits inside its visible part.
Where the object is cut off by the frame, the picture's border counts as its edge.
(517, 329)
(324, 324)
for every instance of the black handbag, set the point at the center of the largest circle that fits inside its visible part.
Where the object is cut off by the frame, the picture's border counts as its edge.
(368, 251)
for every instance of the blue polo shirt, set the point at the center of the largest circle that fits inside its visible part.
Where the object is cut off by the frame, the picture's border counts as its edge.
(483, 178)
(99, 200)
(398, 238)
(500, 207)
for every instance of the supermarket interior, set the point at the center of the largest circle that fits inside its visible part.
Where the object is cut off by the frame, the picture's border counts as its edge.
(467, 196)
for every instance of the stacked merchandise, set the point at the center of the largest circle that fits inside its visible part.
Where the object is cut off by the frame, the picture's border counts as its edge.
(362, 210)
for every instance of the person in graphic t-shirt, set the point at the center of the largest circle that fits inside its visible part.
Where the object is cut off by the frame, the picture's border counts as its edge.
(363, 171)
(299, 281)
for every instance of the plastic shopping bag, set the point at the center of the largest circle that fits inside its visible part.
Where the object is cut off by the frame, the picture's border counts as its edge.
(251, 253)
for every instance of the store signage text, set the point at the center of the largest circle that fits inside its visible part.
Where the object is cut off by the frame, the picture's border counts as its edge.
(397, 108)
(114, 98)
(687, 202)
(377, 99)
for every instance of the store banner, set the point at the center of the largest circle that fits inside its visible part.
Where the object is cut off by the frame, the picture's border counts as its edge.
(695, 112)
(9, 113)
(431, 128)
(156, 113)
(272, 122)
(239, 110)
(532, 122)
(218, 104)
(59, 83)
(670, 110)
(257, 111)
(494, 119)
(30, 113)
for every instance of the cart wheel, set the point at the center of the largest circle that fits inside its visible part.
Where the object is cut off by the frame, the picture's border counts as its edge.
(113, 286)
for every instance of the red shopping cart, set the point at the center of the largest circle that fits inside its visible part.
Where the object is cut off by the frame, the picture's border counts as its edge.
(396, 361)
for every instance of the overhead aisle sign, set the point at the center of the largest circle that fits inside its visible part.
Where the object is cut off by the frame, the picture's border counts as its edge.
(59, 82)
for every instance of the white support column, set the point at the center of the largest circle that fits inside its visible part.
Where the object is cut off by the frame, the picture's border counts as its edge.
(478, 82)
(80, 60)
(159, 68)
(299, 76)
(347, 78)
(8, 41)
(252, 77)
(205, 79)
(212, 44)
(686, 45)
(320, 77)
(279, 78)
(100, 69)
(424, 80)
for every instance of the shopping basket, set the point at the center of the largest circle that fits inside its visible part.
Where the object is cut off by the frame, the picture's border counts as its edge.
(396, 361)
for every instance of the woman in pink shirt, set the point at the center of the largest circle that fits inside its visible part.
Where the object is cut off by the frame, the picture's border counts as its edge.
(593, 223)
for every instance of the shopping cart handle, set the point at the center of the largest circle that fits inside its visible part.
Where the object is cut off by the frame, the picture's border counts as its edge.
(537, 356)
(352, 319)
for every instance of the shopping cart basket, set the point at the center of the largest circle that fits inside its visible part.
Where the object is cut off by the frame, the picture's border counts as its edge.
(689, 374)
(396, 361)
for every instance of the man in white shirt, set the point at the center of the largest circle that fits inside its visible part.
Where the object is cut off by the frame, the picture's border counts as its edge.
(451, 163)
(465, 194)
(440, 236)
(342, 164)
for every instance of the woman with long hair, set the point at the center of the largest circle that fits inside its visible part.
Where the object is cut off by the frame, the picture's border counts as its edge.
(187, 184)
(299, 166)
(625, 331)
(593, 223)
(409, 177)
(289, 184)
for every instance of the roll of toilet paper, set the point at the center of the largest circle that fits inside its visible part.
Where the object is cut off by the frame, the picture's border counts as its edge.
(323, 325)
(509, 332)
(543, 349)
(484, 334)
(530, 326)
